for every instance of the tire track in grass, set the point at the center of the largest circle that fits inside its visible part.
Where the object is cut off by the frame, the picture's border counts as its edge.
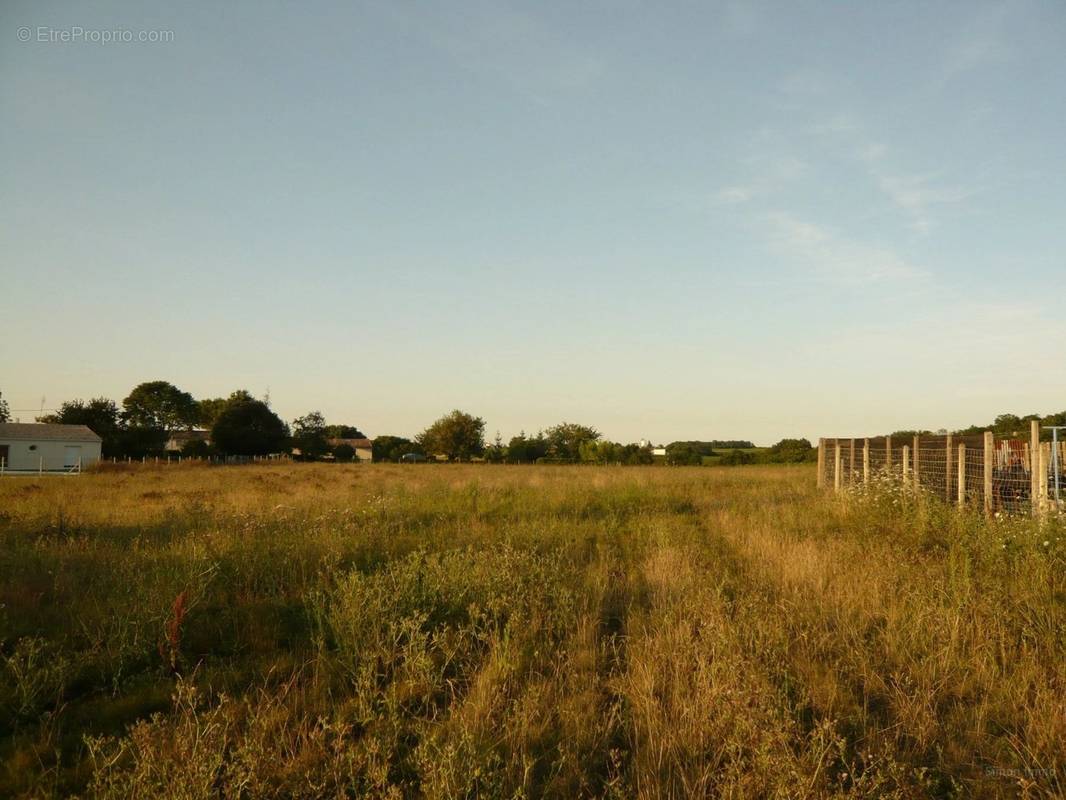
(785, 641)
(703, 717)
(550, 724)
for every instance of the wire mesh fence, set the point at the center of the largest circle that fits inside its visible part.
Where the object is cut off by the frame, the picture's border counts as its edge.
(1008, 475)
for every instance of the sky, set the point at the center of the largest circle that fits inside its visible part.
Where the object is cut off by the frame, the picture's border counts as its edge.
(667, 220)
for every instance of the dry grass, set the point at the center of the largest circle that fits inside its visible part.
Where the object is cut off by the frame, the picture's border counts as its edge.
(477, 631)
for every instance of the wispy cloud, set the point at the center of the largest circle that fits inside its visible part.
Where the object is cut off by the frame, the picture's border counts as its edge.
(978, 44)
(515, 46)
(770, 173)
(872, 151)
(733, 195)
(917, 196)
(836, 258)
(807, 83)
(839, 123)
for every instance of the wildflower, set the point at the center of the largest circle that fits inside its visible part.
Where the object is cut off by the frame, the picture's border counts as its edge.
(1046, 543)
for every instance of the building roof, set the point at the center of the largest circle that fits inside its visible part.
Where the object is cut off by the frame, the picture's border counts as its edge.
(47, 431)
(189, 436)
(358, 444)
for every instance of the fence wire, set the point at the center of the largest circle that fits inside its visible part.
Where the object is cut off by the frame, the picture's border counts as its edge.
(952, 468)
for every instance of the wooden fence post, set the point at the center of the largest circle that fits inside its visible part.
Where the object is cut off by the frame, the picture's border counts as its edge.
(948, 455)
(990, 447)
(1042, 483)
(962, 475)
(821, 463)
(865, 461)
(1034, 466)
(836, 467)
(906, 464)
(851, 462)
(916, 463)
(888, 454)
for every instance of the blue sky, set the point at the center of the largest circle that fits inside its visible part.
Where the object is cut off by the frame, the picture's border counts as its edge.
(694, 220)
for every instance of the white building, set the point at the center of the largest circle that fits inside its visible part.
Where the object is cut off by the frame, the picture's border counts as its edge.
(176, 440)
(46, 447)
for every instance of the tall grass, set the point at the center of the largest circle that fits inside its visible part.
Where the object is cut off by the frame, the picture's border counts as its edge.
(354, 631)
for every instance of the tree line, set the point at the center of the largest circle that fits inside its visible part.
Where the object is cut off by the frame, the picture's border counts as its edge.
(1004, 426)
(243, 425)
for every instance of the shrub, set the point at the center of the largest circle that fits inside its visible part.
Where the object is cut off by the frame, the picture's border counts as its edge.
(197, 448)
(736, 458)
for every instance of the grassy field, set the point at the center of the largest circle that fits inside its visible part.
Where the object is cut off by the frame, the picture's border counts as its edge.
(480, 631)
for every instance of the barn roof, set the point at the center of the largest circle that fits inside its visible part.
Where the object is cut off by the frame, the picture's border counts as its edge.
(46, 431)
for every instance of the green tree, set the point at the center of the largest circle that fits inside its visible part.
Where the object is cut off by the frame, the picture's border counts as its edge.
(160, 405)
(635, 454)
(100, 415)
(458, 435)
(904, 435)
(393, 448)
(249, 428)
(566, 438)
(309, 435)
(524, 449)
(496, 452)
(209, 409)
(1013, 426)
(599, 451)
(683, 454)
(729, 444)
(344, 453)
(344, 432)
(736, 458)
(707, 448)
(791, 451)
(5, 410)
(139, 442)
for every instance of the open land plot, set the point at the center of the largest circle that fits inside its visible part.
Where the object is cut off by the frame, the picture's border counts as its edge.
(490, 631)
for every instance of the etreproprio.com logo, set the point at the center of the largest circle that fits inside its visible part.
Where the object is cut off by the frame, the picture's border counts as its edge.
(76, 34)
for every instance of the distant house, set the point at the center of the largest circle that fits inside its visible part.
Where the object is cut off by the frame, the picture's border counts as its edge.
(27, 446)
(364, 448)
(176, 440)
